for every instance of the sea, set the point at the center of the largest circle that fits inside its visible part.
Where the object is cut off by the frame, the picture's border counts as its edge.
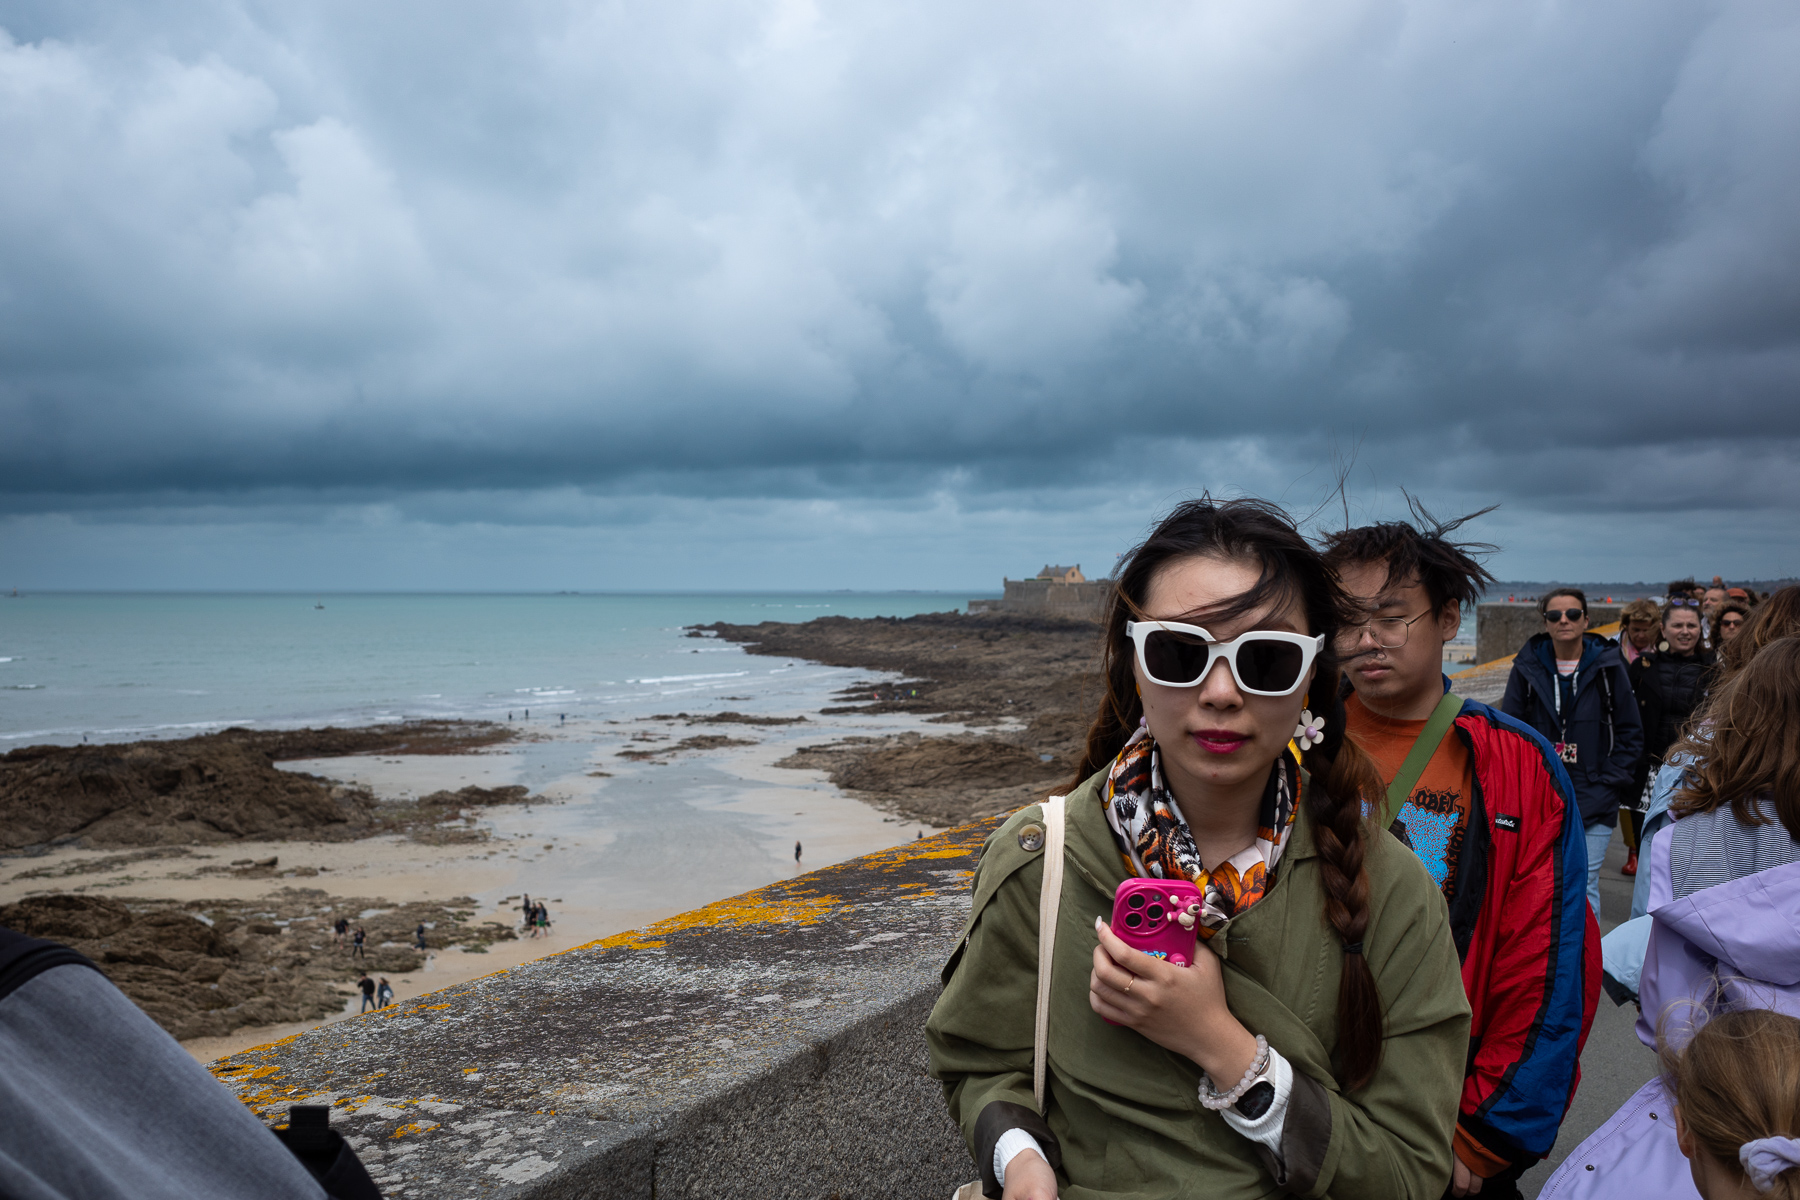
(111, 667)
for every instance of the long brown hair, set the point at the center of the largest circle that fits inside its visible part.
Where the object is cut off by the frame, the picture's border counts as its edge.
(1737, 1080)
(1341, 776)
(1749, 743)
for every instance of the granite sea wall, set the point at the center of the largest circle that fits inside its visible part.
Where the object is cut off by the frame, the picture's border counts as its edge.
(769, 1045)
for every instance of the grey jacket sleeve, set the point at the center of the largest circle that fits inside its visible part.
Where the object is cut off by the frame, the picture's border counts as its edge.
(98, 1103)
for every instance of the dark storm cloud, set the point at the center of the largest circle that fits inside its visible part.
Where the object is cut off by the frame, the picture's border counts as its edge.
(338, 255)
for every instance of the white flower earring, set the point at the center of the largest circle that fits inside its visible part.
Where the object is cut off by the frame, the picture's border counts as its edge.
(1310, 731)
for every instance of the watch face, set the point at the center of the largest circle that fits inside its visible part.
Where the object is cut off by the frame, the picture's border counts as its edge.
(1255, 1102)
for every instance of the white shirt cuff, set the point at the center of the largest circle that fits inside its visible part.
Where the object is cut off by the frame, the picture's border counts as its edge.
(1267, 1128)
(1010, 1144)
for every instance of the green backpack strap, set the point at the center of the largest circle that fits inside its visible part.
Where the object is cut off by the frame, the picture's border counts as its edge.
(1437, 727)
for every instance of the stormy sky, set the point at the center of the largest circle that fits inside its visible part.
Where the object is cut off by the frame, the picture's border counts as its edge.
(770, 293)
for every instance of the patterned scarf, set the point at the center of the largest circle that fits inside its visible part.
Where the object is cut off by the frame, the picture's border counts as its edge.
(1156, 843)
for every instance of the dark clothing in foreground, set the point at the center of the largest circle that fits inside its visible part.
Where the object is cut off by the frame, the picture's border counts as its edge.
(1669, 687)
(98, 1103)
(1594, 712)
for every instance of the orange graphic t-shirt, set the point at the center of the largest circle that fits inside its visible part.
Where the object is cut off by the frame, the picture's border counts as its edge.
(1436, 815)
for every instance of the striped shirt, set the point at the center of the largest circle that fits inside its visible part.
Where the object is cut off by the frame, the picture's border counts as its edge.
(1715, 847)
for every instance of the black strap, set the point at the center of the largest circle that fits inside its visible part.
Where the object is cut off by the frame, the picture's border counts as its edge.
(23, 959)
(325, 1154)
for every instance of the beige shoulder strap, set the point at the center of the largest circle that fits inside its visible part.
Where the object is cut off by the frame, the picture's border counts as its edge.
(1049, 900)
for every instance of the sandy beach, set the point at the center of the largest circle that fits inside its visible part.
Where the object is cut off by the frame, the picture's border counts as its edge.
(638, 819)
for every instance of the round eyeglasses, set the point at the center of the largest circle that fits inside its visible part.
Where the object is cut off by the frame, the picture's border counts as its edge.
(1390, 633)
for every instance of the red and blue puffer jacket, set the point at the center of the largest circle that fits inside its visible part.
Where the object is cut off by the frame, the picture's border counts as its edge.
(1528, 941)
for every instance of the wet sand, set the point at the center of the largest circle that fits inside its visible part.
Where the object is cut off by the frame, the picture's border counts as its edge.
(622, 841)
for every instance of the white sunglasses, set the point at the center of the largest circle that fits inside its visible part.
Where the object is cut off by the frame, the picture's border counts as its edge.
(1264, 662)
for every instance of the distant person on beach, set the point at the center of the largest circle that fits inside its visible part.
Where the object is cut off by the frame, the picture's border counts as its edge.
(1218, 756)
(796, 853)
(1492, 815)
(384, 994)
(368, 991)
(419, 937)
(356, 943)
(342, 927)
(543, 918)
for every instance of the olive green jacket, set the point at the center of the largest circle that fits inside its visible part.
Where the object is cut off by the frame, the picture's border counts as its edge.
(1125, 1113)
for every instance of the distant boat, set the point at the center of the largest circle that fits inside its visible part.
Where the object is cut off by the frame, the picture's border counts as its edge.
(318, 604)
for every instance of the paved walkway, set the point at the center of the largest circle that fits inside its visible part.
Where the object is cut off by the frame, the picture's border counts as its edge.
(1615, 1064)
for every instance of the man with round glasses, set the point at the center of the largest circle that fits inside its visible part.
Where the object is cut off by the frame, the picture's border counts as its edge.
(1488, 807)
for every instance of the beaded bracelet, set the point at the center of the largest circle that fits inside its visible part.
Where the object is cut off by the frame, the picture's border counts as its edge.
(1220, 1101)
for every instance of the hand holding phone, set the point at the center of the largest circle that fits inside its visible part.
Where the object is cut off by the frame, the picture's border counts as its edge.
(1158, 917)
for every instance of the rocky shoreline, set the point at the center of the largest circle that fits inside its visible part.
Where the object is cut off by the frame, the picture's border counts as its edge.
(1029, 684)
(219, 787)
(208, 967)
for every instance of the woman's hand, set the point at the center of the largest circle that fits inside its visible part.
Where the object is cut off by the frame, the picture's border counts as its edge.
(1029, 1177)
(1179, 1008)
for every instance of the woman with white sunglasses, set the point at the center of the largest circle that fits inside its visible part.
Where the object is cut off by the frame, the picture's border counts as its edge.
(1319, 1047)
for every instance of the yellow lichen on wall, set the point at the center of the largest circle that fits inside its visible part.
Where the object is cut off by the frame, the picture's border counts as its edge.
(756, 908)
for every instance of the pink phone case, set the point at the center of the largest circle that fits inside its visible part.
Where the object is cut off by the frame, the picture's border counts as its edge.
(1147, 916)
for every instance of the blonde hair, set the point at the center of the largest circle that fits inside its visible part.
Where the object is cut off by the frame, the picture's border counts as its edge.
(1736, 1080)
(1647, 610)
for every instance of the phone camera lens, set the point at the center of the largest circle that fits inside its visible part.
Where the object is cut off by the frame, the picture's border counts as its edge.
(1136, 901)
(1155, 912)
(1133, 920)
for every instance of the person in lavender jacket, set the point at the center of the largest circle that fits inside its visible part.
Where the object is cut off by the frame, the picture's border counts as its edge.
(1724, 919)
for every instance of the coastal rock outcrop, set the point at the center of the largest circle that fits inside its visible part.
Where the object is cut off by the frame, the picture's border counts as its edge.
(208, 967)
(216, 788)
(1032, 681)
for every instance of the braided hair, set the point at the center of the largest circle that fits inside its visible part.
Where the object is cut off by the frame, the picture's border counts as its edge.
(1344, 782)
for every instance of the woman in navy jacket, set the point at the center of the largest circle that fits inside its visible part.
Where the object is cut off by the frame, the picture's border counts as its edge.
(1588, 713)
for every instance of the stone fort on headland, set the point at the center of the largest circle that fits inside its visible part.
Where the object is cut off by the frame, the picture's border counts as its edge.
(1054, 592)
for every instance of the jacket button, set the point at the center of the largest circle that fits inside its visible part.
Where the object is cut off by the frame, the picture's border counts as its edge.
(1031, 838)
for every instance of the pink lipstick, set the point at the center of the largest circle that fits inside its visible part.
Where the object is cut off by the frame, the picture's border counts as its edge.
(1219, 741)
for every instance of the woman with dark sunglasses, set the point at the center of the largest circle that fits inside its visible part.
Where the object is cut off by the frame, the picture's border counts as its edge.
(1572, 686)
(1319, 1046)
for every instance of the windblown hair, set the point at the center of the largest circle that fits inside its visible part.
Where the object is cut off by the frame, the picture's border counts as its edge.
(1639, 609)
(1341, 776)
(1745, 742)
(1737, 1080)
(1778, 616)
(1419, 549)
